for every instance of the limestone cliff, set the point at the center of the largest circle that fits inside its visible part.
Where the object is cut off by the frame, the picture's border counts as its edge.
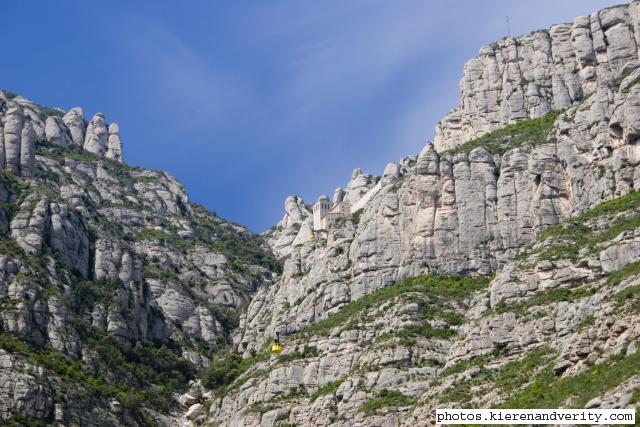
(528, 76)
(546, 132)
(498, 267)
(114, 289)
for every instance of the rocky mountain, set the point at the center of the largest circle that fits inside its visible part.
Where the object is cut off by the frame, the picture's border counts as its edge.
(500, 267)
(114, 289)
(528, 192)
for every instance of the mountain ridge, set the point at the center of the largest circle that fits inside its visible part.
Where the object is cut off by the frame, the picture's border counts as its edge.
(466, 205)
(500, 261)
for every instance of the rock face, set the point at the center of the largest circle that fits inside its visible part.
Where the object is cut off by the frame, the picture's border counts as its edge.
(527, 76)
(109, 276)
(97, 135)
(359, 185)
(553, 313)
(103, 140)
(115, 289)
(297, 221)
(467, 212)
(459, 209)
(17, 141)
(56, 131)
(22, 122)
(114, 147)
(74, 121)
(23, 384)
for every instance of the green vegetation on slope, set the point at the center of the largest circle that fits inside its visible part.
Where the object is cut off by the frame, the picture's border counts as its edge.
(18, 191)
(227, 372)
(549, 391)
(142, 374)
(386, 398)
(329, 388)
(241, 249)
(526, 132)
(542, 299)
(224, 369)
(307, 352)
(574, 235)
(506, 379)
(437, 287)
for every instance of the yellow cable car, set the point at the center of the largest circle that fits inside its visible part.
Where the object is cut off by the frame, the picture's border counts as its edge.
(276, 347)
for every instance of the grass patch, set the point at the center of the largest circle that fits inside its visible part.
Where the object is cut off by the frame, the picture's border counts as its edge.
(466, 364)
(142, 375)
(614, 83)
(586, 322)
(506, 379)
(384, 399)
(60, 153)
(631, 293)
(526, 132)
(627, 271)
(574, 234)
(407, 335)
(544, 298)
(308, 351)
(355, 217)
(440, 288)
(548, 391)
(631, 84)
(161, 236)
(328, 388)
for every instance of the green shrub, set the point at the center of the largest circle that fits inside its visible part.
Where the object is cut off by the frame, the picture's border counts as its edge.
(222, 371)
(386, 398)
(441, 288)
(308, 351)
(226, 368)
(329, 388)
(526, 132)
(541, 299)
(549, 391)
(574, 234)
(355, 217)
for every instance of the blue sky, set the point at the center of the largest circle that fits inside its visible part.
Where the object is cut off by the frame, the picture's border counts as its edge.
(247, 102)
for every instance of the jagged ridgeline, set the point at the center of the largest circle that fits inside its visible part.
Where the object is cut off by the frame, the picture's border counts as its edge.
(115, 290)
(500, 267)
(525, 203)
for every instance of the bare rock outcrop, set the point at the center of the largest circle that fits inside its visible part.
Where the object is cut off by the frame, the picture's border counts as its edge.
(527, 76)
(74, 121)
(17, 142)
(56, 131)
(103, 140)
(472, 211)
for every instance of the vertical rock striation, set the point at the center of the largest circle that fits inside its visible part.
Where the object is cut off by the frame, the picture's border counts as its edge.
(527, 76)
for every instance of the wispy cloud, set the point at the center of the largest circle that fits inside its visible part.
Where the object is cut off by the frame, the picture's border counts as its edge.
(176, 78)
(349, 54)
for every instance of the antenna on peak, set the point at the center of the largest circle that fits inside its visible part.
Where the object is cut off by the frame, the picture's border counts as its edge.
(508, 27)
